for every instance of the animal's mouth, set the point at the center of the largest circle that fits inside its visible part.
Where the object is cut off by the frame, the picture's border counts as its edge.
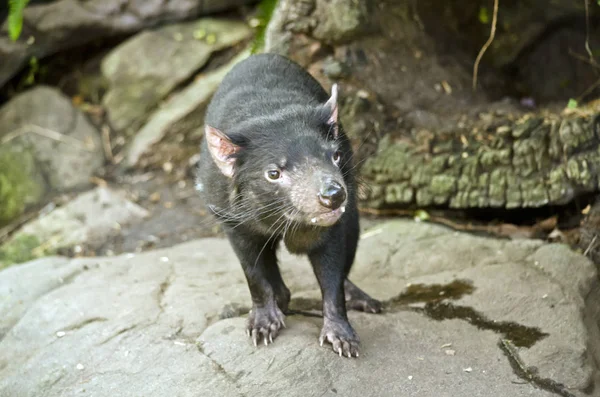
(320, 219)
(327, 218)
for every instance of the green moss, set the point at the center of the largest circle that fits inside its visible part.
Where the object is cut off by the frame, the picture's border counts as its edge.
(18, 184)
(536, 163)
(265, 10)
(18, 250)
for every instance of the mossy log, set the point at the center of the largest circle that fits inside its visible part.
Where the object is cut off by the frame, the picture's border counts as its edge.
(535, 161)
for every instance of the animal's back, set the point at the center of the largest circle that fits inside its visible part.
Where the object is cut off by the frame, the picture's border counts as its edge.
(262, 85)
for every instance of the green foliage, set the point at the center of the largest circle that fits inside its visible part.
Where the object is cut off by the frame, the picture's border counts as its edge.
(484, 15)
(34, 68)
(572, 104)
(20, 249)
(264, 12)
(17, 186)
(421, 216)
(15, 17)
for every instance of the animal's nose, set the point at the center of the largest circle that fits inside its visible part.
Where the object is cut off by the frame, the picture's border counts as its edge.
(332, 195)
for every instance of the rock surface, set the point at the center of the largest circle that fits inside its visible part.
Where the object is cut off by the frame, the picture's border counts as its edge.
(84, 223)
(49, 144)
(144, 69)
(47, 31)
(477, 317)
(183, 112)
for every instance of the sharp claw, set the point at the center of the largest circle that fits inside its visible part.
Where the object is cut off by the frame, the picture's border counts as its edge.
(321, 342)
(271, 337)
(340, 351)
(349, 354)
(255, 343)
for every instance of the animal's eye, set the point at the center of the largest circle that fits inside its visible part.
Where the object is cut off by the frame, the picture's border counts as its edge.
(336, 157)
(273, 174)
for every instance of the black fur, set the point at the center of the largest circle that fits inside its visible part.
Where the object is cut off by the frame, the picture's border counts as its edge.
(274, 111)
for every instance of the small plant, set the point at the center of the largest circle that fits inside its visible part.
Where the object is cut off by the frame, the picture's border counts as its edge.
(15, 17)
(259, 23)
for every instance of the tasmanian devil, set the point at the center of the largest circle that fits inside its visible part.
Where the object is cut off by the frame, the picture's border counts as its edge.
(276, 165)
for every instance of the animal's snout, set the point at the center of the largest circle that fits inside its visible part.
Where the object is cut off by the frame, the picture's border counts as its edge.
(332, 195)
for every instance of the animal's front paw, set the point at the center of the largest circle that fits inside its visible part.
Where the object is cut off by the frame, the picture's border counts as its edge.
(342, 337)
(265, 322)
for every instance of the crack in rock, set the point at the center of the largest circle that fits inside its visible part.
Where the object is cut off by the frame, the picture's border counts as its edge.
(63, 282)
(164, 286)
(530, 375)
(120, 332)
(220, 369)
(84, 323)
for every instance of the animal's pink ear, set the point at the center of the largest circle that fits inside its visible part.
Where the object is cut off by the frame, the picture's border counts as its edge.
(221, 148)
(332, 106)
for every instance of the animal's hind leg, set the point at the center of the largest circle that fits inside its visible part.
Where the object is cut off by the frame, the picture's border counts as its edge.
(357, 299)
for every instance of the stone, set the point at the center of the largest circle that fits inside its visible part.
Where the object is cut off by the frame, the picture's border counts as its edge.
(341, 20)
(329, 21)
(46, 144)
(334, 69)
(46, 31)
(95, 325)
(21, 182)
(185, 107)
(144, 69)
(90, 219)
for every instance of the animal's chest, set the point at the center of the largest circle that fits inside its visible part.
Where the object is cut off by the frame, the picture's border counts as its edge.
(302, 241)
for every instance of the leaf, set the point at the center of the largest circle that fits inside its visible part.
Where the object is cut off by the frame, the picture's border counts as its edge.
(34, 67)
(421, 215)
(15, 17)
(572, 104)
(484, 16)
(259, 23)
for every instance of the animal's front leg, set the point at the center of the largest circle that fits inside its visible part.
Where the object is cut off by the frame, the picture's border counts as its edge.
(259, 261)
(328, 265)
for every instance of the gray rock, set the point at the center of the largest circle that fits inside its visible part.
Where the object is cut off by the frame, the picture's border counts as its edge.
(183, 112)
(144, 69)
(329, 21)
(150, 324)
(59, 25)
(55, 146)
(334, 69)
(340, 20)
(87, 221)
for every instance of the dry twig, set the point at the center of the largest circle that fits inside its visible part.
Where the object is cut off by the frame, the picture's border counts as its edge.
(590, 246)
(106, 143)
(587, 33)
(45, 132)
(486, 45)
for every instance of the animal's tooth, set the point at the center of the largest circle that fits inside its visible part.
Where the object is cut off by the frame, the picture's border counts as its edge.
(343, 209)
